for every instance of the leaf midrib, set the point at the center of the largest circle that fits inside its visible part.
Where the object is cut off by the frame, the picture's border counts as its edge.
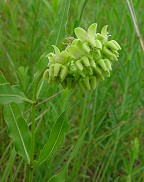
(61, 21)
(23, 144)
(13, 95)
(54, 143)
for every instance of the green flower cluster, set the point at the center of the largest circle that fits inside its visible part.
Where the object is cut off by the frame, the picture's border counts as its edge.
(85, 62)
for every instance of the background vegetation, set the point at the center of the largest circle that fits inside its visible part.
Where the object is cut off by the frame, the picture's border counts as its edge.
(113, 113)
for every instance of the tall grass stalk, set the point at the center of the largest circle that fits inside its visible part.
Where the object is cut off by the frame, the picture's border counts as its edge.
(134, 19)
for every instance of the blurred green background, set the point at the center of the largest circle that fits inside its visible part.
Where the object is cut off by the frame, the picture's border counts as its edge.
(113, 113)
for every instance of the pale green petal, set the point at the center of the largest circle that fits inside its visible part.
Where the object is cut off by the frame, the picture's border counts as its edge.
(57, 68)
(98, 44)
(92, 30)
(81, 34)
(104, 32)
(57, 51)
(74, 52)
(51, 58)
(64, 56)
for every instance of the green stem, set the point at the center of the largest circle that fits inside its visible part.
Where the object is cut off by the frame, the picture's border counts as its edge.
(32, 142)
(33, 128)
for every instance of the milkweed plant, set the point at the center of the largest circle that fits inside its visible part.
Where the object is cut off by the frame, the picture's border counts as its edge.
(84, 63)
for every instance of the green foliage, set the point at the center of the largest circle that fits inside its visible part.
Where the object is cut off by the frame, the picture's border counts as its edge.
(18, 130)
(56, 138)
(133, 155)
(24, 78)
(59, 30)
(2, 78)
(113, 113)
(10, 94)
(63, 174)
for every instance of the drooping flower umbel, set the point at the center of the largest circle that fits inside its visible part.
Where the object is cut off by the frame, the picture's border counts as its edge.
(85, 62)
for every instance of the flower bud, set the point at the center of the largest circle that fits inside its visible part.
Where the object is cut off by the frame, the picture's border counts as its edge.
(79, 65)
(57, 68)
(46, 74)
(116, 53)
(92, 63)
(97, 54)
(87, 83)
(102, 64)
(93, 82)
(51, 73)
(108, 64)
(115, 42)
(85, 61)
(108, 53)
(98, 70)
(111, 45)
(86, 48)
(63, 73)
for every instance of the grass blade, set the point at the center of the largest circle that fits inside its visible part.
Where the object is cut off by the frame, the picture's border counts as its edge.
(63, 174)
(2, 78)
(59, 30)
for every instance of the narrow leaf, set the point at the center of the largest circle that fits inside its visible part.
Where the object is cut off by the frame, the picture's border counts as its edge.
(18, 130)
(10, 94)
(77, 146)
(59, 31)
(41, 67)
(2, 78)
(56, 138)
(61, 176)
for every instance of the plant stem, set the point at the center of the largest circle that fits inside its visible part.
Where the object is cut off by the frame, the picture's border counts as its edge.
(36, 82)
(32, 142)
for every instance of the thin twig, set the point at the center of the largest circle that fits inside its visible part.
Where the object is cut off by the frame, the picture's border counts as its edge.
(135, 24)
(44, 101)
